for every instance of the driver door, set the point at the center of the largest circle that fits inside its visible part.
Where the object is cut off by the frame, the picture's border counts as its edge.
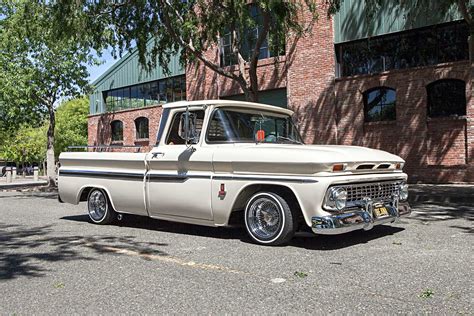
(179, 176)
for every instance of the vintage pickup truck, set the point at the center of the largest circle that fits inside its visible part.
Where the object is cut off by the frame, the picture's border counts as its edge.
(219, 161)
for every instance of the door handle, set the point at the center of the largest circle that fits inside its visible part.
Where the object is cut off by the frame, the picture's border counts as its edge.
(155, 155)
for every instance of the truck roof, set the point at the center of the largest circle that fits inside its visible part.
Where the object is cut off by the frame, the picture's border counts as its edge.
(226, 103)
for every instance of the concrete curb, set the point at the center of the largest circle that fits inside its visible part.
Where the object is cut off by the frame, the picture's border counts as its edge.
(449, 194)
(14, 186)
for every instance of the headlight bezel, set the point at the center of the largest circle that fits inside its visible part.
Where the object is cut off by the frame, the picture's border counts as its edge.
(335, 199)
(403, 191)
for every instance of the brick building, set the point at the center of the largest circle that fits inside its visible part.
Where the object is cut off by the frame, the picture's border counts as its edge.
(400, 82)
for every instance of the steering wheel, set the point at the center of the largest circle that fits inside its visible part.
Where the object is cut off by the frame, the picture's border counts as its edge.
(271, 138)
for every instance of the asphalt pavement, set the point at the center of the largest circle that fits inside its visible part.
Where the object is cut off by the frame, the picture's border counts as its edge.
(54, 261)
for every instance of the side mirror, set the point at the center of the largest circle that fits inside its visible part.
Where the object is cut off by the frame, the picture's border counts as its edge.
(187, 128)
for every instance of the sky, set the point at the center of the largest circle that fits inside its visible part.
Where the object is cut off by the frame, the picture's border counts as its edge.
(96, 71)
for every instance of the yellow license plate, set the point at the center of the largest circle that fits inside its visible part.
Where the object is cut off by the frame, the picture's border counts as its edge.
(380, 211)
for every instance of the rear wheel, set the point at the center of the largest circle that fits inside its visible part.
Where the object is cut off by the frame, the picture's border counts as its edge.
(269, 220)
(99, 208)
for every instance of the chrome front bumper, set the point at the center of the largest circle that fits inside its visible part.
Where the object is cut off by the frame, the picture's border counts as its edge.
(358, 219)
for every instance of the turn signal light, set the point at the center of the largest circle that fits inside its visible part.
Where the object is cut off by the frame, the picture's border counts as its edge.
(399, 166)
(338, 167)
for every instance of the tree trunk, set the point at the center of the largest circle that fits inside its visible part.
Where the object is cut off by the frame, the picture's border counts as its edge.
(253, 91)
(50, 161)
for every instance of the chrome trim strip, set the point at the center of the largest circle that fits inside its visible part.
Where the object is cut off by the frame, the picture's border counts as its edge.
(102, 174)
(174, 177)
(250, 178)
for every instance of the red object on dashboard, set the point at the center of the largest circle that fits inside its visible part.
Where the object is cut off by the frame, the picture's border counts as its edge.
(260, 135)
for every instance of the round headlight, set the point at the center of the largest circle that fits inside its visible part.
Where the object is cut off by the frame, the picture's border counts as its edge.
(403, 191)
(338, 196)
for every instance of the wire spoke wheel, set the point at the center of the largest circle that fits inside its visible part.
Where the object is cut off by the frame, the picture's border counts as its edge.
(97, 205)
(264, 218)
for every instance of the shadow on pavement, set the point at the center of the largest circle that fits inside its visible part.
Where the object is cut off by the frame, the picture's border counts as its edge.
(29, 251)
(334, 242)
(302, 240)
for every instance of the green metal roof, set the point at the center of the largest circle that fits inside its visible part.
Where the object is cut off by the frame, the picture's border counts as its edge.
(351, 22)
(127, 72)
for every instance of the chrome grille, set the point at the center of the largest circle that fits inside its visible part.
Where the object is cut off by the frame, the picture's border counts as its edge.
(372, 190)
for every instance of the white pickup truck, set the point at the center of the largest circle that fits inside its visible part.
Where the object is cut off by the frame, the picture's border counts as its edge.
(220, 160)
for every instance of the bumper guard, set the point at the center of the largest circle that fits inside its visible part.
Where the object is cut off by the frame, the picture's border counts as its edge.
(361, 218)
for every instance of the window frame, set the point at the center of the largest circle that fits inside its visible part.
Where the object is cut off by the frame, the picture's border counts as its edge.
(429, 97)
(358, 57)
(365, 96)
(145, 94)
(137, 122)
(171, 117)
(112, 124)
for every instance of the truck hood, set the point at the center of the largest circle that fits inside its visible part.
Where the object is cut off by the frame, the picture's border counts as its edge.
(302, 159)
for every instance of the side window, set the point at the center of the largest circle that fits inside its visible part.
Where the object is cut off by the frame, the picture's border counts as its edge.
(446, 97)
(141, 127)
(173, 135)
(379, 104)
(116, 131)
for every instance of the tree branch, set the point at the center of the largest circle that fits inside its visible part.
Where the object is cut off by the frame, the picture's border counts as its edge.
(261, 37)
(189, 47)
(464, 11)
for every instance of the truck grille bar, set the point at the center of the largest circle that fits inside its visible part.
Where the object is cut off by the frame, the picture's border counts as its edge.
(372, 190)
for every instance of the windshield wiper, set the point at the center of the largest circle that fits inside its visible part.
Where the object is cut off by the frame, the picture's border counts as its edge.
(290, 139)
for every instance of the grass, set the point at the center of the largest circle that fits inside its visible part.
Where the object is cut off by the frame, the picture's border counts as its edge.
(428, 293)
(300, 274)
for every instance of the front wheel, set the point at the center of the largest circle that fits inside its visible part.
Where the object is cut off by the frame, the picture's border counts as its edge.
(99, 207)
(269, 220)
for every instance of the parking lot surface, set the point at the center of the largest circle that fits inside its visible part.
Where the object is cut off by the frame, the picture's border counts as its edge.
(53, 260)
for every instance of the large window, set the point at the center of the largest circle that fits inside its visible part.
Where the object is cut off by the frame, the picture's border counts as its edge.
(116, 131)
(146, 94)
(243, 125)
(247, 42)
(379, 104)
(446, 97)
(141, 127)
(421, 47)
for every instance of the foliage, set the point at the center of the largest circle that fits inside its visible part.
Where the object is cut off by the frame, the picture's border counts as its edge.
(37, 68)
(26, 146)
(71, 124)
(163, 28)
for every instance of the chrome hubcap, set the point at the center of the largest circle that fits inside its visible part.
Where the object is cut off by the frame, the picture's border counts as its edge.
(97, 205)
(264, 218)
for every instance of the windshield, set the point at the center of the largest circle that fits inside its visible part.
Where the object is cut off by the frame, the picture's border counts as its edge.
(247, 125)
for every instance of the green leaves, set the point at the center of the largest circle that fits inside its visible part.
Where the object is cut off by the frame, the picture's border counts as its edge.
(28, 144)
(71, 124)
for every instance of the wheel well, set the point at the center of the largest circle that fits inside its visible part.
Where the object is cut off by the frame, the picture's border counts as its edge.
(85, 193)
(247, 192)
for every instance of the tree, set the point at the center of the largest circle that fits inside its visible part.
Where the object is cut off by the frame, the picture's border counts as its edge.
(162, 28)
(26, 146)
(71, 124)
(39, 66)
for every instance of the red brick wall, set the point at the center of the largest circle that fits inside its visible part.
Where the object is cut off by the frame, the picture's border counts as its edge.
(436, 150)
(311, 81)
(100, 132)
(202, 83)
